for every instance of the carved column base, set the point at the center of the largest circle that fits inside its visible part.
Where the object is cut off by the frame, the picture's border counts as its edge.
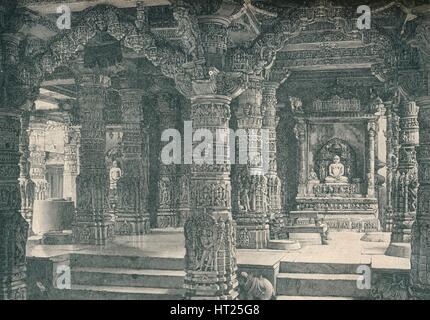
(183, 215)
(203, 285)
(93, 233)
(402, 230)
(13, 285)
(252, 231)
(277, 227)
(167, 219)
(211, 270)
(130, 224)
(13, 232)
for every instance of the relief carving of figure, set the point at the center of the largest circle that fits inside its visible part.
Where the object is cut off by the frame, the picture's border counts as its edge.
(336, 172)
(187, 32)
(244, 199)
(413, 194)
(115, 174)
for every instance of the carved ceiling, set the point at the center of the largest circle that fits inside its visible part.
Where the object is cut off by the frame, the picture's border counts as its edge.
(306, 40)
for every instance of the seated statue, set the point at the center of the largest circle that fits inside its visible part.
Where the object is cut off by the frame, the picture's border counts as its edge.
(336, 172)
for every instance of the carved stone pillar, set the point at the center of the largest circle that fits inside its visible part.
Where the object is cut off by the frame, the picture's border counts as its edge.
(300, 131)
(184, 174)
(274, 184)
(27, 186)
(250, 183)
(13, 227)
(371, 133)
(392, 164)
(406, 180)
(132, 214)
(71, 161)
(92, 225)
(167, 215)
(213, 32)
(420, 245)
(38, 159)
(209, 232)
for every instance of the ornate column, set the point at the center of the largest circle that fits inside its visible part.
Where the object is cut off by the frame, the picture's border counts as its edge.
(250, 183)
(274, 184)
(392, 164)
(38, 158)
(214, 35)
(371, 133)
(420, 245)
(132, 214)
(300, 131)
(167, 215)
(209, 232)
(406, 180)
(26, 185)
(183, 176)
(13, 227)
(92, 224)
(210, 235)
(71, 160)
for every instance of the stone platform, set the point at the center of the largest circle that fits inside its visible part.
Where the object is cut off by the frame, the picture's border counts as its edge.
(152, 267)
(339, 213)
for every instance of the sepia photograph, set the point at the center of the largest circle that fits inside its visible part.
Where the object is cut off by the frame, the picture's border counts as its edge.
(216, 150)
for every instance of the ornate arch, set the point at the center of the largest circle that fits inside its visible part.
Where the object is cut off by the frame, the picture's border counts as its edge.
(102, 18)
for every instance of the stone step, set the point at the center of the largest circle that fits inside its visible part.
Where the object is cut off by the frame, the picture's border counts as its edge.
(288, 245)
(318, 267)
(88, 292)
(311, 298)
(129, 262)
(167, 279)
(317, 285)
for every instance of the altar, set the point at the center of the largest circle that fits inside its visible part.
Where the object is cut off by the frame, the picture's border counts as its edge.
(337, 148)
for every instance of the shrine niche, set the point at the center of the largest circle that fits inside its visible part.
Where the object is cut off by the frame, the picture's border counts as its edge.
(328, 152)
(336, 162)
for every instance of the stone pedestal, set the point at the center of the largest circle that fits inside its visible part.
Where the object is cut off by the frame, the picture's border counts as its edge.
(52, 215)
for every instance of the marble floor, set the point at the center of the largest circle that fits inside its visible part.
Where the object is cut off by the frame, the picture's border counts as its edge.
(343, 247)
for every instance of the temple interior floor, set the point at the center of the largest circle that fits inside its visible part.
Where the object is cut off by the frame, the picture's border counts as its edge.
(151, 267)
(343, 247)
